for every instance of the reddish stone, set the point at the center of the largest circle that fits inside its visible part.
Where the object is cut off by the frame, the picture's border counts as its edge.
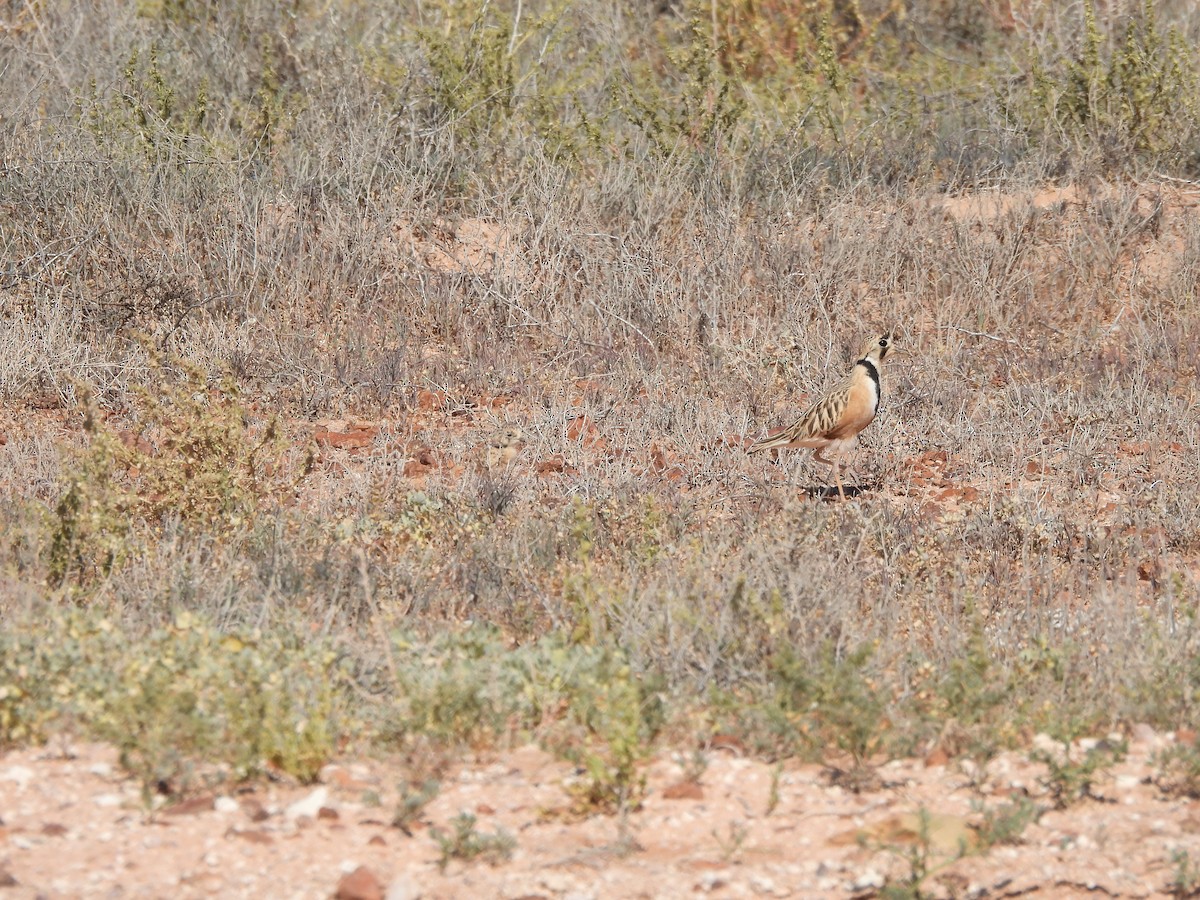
(551, 464)
(355, 439)
(430, 400)
(254, 810)
(134, 441)
(728, 742)
(190, 806)
(937, 757)
(684, 790)
(361, 884)
(584, 430)
(253, 835)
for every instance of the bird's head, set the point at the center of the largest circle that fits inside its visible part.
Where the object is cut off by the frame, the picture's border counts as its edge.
(877, 348)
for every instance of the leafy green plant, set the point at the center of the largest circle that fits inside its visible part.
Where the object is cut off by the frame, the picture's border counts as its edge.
(1133, 90)
(1069, 781)
(193, 457)
(924, 852)
(180, 703)
(412, 802)
(1004, 824)
(149, 108)
(1185, 882)
(699, 113)
(839, 705)
(466, 843)
(1179, 770)
(621, 719)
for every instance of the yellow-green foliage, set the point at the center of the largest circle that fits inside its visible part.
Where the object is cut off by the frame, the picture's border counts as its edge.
(467, 843)
(479, 60)
(1131, 88)
(148, 108)
(622, 717)
(695, 107)
(193, 457)
(176, 696)
(472, 688)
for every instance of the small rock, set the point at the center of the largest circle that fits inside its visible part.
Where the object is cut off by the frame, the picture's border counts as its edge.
(683, 790)
(53, 829)
(191, 806)
(712, 881)
(7, 879)
(377, 840)
(936, 757)
(309, 806)
(361, 884)
(22, 775)
(1043, 743)
(869, 880)
(254, 836)
(226, 805)
(255, 810)
(762, 884)
(101, 769)
(1141, 733)
(108, 799)
(327, 813)
(403, 888)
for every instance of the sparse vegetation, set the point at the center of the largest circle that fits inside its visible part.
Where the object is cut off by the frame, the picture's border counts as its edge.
(466, 843)
(930, 847)
(1186, 879)
(411, 804)
(1070, 779)
(1179, 770)
(232, 234)
(1006, 823)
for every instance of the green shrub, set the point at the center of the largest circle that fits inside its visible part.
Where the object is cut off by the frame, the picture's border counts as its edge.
(194, 457)
(175, 701)
(466, 843)
(1125, 91)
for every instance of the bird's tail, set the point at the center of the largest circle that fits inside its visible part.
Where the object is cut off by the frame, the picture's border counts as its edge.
(770, 442)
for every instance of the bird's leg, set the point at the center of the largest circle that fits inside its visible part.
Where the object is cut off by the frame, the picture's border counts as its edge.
(834, 464)
(852, 472)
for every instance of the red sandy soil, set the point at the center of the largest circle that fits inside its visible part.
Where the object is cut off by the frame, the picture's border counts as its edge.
(74, 825)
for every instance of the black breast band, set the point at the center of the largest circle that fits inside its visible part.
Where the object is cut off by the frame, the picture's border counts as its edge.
(874, 373)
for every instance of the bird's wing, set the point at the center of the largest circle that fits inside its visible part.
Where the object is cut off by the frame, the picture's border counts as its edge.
(810, 429)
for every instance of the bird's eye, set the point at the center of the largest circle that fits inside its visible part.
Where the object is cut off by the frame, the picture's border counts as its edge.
(883, 342)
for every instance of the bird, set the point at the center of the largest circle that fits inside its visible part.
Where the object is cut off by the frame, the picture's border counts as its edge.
(503, 446)
(832, 424)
